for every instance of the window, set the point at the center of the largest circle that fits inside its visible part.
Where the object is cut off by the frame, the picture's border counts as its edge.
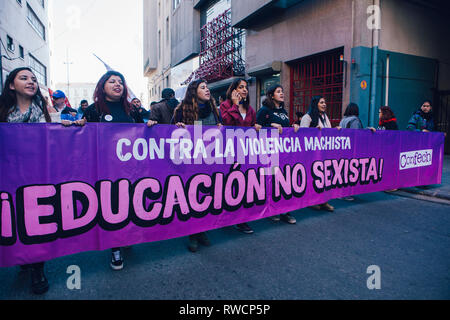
(39, 70)
(10, 44)
(21, 53)
(35, 22)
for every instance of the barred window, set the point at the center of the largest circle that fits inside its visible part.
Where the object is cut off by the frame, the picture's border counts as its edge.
(39, 70)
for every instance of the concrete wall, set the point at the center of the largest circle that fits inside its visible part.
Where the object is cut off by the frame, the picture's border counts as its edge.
(157, 31)
(417, 30)
(311, 27)
(243, 9)
(185, 32)
(150, 36)
(13, 22)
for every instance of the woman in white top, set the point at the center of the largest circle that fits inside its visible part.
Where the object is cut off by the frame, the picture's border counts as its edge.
(317, 118)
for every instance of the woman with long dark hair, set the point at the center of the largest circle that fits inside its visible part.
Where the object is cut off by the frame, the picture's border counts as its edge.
(110, 101)
(236, 109)
(388, 121)
(317, 118)
(237, 112)
(198, 105)
(273, 114)
(111, 106)
(422, 119)
(22, 102)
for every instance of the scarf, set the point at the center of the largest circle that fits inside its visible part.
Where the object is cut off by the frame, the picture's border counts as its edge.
(387, 121)
(204, 110)
(33, 115)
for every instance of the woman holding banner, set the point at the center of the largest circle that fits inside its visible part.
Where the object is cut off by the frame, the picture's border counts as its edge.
(387, 119)
(111, 106)
(273, 114)
(198, 105)
(422, 119)
(22, 102)
(237, 112)
(316, 117)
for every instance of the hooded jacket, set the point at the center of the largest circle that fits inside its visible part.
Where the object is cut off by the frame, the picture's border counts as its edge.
(420, 121)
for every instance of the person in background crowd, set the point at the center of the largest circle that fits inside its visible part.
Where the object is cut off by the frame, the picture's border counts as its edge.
(222, 98)
(387, 122)
(273, 114)
(351, 118)
(351, 121)
(83, 106)
(317, 118)
(111, 106)
(62, 112)
(198, 105)
(139, 111)
(237, 112)
(163, 111)
(299, 115)
(422, 120)
(22, 102)
(387, 119)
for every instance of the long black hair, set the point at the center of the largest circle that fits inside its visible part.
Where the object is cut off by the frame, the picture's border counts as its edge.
(314, 111)
(8, 99)
(269, 102)
(351, 110)
(233, 86)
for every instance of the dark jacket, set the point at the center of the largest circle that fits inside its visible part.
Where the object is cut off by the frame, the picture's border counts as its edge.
(163, 112)
(205, 111)
(116, 115)
(421, 121)
(266, 116)
(388, 125)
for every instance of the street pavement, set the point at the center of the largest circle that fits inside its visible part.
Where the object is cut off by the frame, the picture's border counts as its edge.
(324, 256)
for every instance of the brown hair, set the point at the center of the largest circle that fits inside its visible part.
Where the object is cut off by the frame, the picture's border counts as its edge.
(233, 87)
(386, 114)
(189, 105)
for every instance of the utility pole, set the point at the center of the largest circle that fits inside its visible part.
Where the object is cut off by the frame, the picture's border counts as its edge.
(68, 63)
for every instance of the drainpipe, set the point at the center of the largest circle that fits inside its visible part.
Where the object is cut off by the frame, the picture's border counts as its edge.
(386, 103)
(373, 91)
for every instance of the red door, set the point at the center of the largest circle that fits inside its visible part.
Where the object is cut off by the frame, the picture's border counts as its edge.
(321, 74)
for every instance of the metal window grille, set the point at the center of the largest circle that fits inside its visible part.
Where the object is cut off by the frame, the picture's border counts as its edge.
(321, 74)
(220, 50)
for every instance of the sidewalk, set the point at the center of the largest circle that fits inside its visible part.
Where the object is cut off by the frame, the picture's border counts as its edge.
(441, 191)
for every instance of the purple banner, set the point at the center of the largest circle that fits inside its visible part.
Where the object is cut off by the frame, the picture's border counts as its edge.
(69, 190)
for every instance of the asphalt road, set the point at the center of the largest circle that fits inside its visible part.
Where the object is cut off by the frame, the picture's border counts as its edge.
(323, 256)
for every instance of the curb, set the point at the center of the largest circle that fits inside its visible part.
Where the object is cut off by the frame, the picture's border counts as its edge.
(428, 193)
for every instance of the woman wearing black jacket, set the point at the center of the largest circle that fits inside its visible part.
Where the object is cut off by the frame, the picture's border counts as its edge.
(111, 106)
(387, 119)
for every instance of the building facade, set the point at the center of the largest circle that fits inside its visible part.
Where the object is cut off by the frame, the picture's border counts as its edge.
(157, 46)
(24, 33)
(77, 92)
(371, 52)
(198, 41)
